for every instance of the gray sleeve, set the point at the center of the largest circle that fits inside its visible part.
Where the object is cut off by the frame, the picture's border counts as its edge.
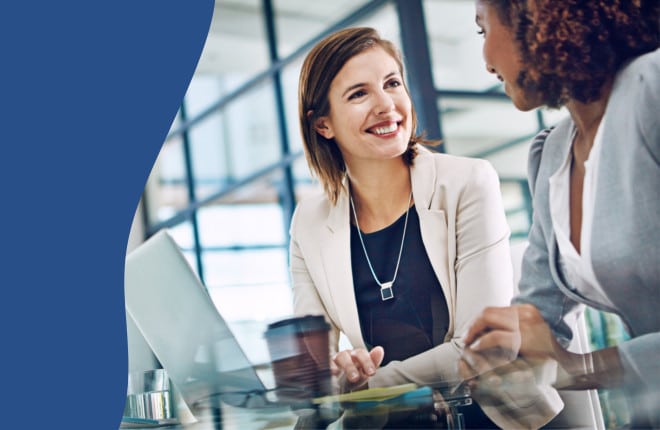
(639, 356)
(641, 370)
(647, 106)
(537, 286)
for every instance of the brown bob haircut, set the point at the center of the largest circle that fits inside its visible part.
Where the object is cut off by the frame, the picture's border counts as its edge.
(318, 71)
(571, 48)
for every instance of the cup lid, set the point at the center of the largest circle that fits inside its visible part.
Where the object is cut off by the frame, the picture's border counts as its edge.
(297, 325)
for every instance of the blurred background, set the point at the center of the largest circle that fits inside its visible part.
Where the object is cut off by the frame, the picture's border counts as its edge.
(231, 170)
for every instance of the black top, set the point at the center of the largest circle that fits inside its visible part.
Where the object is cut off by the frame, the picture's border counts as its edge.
(404, 326)
(415, 320)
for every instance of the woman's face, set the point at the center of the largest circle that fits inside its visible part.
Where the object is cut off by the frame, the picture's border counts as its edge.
(501, 54)
(370, 110)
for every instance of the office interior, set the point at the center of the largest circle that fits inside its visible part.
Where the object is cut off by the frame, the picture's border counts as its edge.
(231, 169)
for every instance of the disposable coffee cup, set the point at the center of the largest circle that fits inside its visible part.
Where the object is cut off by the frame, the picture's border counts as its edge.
(300, 357)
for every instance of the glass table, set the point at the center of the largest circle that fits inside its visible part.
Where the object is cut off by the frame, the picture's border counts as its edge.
(425, 407)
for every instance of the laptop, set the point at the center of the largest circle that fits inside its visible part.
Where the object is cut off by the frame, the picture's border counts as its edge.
(176, 316)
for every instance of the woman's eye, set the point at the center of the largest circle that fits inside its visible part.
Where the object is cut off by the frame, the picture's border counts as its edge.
(394, 83)
(357, 94)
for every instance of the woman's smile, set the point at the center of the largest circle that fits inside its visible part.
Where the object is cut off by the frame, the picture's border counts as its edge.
(385, 129)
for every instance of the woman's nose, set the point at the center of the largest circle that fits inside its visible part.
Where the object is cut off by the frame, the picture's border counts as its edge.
(384, 103)
(490, 69)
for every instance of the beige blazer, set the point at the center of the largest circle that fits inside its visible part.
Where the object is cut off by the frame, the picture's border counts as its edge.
(465, 234)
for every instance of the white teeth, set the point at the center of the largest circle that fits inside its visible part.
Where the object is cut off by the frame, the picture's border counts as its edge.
(384, 130)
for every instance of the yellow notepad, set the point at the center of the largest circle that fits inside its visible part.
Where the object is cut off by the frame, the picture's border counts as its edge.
(368, 395)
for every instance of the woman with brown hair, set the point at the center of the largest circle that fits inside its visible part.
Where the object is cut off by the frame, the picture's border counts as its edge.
(595, 178)
(406, 246)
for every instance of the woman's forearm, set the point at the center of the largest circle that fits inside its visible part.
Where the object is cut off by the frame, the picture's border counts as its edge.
(593, 370)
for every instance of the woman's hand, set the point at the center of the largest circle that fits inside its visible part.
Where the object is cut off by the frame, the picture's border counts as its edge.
(500, 335)
(495, 327)
(358, 364)
(518, 329)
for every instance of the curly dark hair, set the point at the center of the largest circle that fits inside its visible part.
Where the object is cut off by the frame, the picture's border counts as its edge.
(572, 48)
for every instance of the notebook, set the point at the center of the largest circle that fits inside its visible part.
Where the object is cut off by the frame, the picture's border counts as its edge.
(177, 318)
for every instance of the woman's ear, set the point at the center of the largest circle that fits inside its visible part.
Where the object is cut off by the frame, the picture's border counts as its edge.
(323, 128)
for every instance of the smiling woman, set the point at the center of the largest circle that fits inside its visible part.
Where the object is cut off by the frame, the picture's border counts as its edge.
(371, 111)
(405, 246)
(332, 74)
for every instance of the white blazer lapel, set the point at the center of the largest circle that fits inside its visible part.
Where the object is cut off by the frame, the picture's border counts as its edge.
(433, 226)
(336, 254)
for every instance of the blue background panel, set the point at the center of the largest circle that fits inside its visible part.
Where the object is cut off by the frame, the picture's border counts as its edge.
(88, 92)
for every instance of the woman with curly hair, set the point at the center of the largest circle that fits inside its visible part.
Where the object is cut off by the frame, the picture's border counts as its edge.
(595, 178)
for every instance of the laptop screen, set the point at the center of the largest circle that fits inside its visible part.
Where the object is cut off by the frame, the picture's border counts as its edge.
(179, 321)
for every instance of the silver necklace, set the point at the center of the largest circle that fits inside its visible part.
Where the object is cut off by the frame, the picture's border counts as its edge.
(386, 291)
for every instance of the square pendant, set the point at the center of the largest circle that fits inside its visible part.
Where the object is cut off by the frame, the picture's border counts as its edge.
(386, 292)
